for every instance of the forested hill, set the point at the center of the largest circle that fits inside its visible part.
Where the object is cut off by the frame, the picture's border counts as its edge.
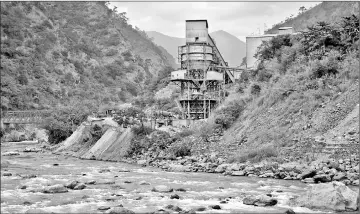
(331, 11)
(70, 53)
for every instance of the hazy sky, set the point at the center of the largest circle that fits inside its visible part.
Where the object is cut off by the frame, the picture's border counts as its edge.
(238, 18)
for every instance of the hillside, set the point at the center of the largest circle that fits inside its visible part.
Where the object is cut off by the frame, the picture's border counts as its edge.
(67, 53)
(329, 11)
(231, 48)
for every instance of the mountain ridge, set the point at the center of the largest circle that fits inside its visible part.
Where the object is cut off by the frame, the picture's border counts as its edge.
(231, 47)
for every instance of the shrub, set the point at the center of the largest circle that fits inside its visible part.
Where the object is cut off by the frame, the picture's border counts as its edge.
(180, 150)
(256, 155)
(228, 115)
(255, 89)
(141, 130)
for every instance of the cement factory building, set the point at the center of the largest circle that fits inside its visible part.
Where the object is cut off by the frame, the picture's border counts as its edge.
(203, 72)
(253, 42)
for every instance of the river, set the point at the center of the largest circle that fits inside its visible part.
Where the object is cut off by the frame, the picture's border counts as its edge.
(119, 183)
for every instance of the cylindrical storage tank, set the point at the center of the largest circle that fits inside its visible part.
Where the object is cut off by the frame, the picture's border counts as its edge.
(197, 56)
(196, 49)
(252, 43)
(199, 64)
(196, 31)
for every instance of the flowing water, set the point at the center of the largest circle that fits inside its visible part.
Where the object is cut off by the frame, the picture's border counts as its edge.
(120, 184)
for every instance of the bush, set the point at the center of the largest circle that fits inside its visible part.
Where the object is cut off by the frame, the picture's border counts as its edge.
(228, 115)
(255, 155)
(111, 52)
(62, 121)
(255, 89)
(180, 150)
(141, 130)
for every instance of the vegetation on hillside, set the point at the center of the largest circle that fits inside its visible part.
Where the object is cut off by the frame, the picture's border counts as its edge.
(59, 53)
(323, 12)
(297, 75)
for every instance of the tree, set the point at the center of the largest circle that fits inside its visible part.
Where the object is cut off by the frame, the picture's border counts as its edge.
(302, 9)
(243, 61)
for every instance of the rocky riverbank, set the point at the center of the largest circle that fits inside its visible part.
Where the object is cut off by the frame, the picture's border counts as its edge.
(342, 170)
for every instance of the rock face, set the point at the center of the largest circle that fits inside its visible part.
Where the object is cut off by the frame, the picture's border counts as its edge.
(334, 196)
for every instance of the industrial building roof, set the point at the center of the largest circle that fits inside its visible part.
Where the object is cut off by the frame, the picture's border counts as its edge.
(199, 20)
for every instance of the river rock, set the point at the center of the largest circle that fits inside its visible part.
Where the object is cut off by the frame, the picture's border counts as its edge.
(7, 174)
(104, 208)
(238, 173)
(104, 170)
(162, 188)
(180, 190)
(90, 182)
(175, 196)
(80, 186)
(308, 174)
(124, 170)
(339, 176)
(322, 178)
(335, 196)
(72, 184)
(221, 168)
(28, 176)
(262, 200)
(58, 188)
(355, 182)
(215, 207)
(289, 211)
(173, 208)
(144, 183)
(200, 208)
(120, 210)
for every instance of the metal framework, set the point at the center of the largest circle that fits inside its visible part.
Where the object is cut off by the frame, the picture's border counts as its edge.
(23, 117)
(203, 72)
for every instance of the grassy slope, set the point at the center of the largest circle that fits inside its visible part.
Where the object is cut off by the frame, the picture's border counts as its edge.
(59, 53)
(326, 11)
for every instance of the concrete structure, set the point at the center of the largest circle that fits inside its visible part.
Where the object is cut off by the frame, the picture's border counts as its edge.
(253, 42)
(203, 72)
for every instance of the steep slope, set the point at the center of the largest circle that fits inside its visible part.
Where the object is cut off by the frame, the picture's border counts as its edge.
(231, 48)
(63, 53)
(329, 11)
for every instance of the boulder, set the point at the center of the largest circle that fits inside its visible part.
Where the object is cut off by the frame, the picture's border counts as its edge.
(200, 209)
(90, 182)
(335, 196)
(221, 168)
(162, 188)
(120, 210)
(175, 196)
(7, 174)
(58, 188)
(72, 184)
(215, 207)
(173, 208)
(104, 208)
(80, 186)
(308, 174)
(262, 200)
(322, 178)
(339, 176)
(238, 173)
(289, 211)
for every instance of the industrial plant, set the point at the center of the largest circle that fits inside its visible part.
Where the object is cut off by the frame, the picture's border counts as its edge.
(203, 73)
